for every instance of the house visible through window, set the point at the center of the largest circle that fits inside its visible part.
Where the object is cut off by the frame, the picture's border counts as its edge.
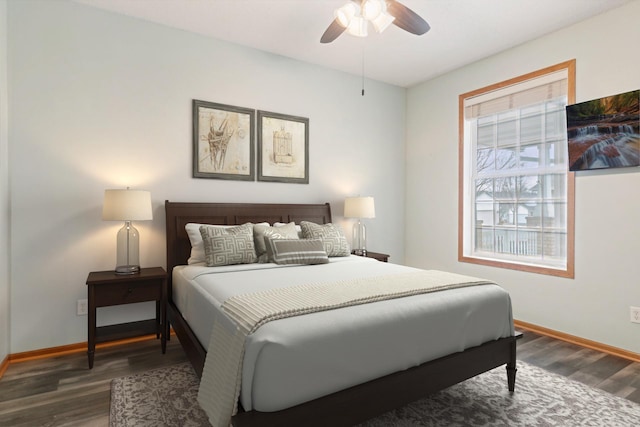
(516, 191)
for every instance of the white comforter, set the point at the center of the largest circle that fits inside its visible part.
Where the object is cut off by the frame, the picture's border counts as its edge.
(293, 360)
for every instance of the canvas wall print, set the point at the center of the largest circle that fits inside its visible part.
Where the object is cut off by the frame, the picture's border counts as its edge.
(283, 148)
(223, 141)
(604, 133)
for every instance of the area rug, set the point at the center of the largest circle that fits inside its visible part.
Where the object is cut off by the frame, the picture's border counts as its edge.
(159, 397)
(167, 397)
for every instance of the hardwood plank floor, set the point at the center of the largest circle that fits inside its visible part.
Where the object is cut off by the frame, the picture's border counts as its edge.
(62, 391)
(600, 370)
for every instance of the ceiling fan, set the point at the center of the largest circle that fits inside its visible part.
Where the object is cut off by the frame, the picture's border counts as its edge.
(354, 17)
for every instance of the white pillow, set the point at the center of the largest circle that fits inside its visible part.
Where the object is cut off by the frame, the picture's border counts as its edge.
(197, 245)
(298, 228)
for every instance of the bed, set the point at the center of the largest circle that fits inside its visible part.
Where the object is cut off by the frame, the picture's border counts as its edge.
(349, 405)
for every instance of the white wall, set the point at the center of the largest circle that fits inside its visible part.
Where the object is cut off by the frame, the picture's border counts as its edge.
(595, 305)
(4, 189)
(99, 100)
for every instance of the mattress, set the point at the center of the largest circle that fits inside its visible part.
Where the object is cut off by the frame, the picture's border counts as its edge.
(294, 360)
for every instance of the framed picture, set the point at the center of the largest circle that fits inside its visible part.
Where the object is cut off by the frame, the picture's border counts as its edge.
(604, 133)
(223, 141)
(283, 148)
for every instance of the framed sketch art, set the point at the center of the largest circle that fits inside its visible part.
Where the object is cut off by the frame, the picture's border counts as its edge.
(223, 141)
(283, 148)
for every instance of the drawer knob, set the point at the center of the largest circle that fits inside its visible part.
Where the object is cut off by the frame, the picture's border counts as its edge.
(129, 290)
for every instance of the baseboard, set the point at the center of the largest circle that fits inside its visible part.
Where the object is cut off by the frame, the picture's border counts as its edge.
(4, 365)
(604, 348)
(72, 348)
(47, 352)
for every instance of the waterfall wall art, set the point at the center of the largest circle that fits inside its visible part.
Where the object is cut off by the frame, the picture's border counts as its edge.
(604, 133)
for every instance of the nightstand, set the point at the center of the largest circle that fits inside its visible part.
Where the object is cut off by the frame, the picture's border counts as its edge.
(106, 288)
(376, 255)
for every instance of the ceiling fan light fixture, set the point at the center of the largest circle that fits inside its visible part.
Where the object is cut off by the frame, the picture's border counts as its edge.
(358, 27)
(382, 22)
(371, 9)
(354, 18)
(346, 13)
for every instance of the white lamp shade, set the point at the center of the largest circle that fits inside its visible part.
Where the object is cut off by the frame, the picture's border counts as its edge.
(359, 207)
(357, 26)
(355, 16)
(346, 13)
(372, 8)
(382, 21)
(127, 205)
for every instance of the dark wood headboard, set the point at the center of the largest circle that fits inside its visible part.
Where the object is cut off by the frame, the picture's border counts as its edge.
(179, 214)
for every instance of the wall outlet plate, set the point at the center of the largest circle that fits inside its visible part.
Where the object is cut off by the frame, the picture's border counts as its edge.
(634, 314)
(81, 307)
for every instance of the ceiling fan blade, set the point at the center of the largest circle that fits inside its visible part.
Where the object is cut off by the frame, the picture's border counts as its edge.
(332, 32)
(406, 18)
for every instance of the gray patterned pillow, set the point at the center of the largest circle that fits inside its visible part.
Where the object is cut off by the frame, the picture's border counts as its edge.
(227, 246)
(261, 232)
(333, 238)
(296, 251)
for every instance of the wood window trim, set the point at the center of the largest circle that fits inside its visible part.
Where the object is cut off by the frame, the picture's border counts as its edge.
(569, 272)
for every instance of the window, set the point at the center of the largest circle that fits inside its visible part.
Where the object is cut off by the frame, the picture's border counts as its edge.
(516, 192)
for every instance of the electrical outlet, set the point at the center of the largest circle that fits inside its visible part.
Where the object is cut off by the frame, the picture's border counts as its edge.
(81, 307)
(635, 314)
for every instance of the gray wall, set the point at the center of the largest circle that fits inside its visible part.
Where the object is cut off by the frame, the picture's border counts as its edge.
(4, 189)
(594, 305)
(98, 100)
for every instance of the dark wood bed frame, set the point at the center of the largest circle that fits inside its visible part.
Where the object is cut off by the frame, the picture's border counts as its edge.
(347, 407)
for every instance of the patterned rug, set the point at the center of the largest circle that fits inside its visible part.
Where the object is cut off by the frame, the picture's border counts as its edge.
(167, 397)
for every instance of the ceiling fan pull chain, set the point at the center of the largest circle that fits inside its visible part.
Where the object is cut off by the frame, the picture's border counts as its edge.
(362, 67)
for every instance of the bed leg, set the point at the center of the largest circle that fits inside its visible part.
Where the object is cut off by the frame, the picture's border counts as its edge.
(511, 376)
(511, 365)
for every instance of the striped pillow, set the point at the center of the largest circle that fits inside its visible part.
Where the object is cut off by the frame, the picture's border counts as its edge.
(261, 231)
(296, 251)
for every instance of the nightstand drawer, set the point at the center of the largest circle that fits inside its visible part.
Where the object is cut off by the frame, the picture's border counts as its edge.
(126, 293)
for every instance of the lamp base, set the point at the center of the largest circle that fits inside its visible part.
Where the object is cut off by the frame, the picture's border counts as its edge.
(128, 269)
(127, 255)
(359, 240)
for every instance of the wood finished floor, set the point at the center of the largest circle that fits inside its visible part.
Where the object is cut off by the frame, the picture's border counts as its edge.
(62, 391)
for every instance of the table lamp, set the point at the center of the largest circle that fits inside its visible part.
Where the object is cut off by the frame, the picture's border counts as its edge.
(359, 207)
(127, 205)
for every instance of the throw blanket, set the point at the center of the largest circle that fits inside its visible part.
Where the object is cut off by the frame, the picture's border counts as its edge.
(221, 377)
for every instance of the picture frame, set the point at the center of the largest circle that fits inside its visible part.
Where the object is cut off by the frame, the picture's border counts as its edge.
(283, 148)
(604, 133)
(223, 141)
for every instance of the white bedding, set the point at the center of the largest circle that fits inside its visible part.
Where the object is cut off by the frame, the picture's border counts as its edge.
(293, 360)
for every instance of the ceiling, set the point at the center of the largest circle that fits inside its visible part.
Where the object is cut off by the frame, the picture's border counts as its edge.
(462, 31)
